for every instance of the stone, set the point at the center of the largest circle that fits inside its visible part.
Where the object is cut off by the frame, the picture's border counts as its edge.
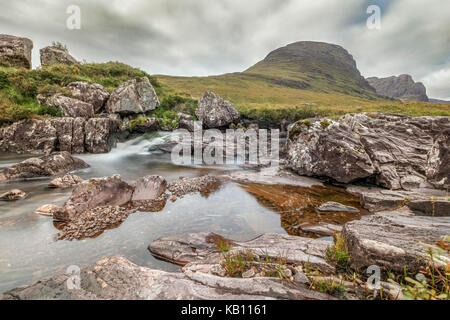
(13, 195)
(336, 207)
(185, 121)
(402, 87)
(434, 208)
(133, 97)
(53, 55)
(323, 229)
(108, 191)
(45, 166)
(148, 125)
(393, 151)
(394, 242)
(301, 277)
(48, 210)
(67, 181)
(248, 274)
(71, 107)
(205, 185)
(377, 201)
(15, 51)
(215, 112)
(218, 270)
(149, 188)
(94, 93)
(100, 134)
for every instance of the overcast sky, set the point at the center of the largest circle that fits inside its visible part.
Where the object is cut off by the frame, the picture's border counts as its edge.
(207, 37)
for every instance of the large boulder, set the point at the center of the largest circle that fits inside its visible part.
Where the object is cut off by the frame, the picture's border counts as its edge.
(394, 241)
(15, 52)
(53, 55)
(133, 97)
(45, 166)
(71, 107)
(394, 151)
(215, 112)
(109, 191)
(100, 134)
(94, 93)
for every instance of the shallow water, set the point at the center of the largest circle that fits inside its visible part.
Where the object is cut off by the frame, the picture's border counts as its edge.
(28, 251)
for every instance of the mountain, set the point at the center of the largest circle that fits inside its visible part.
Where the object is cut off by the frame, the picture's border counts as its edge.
(402, 87)
(438, 101)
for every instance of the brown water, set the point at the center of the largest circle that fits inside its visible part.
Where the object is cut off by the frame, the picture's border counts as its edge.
(28, 251)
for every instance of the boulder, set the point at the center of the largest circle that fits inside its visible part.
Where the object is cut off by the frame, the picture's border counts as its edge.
(380, 201)
(117, 278)
(149, 188)
(433, 208)
(395, 241)
(94, 93)
(393, 151)
(100, 134)
(109, 191)
(185, 121)
(48, 210)
(133, 97)
(53, 55)
(215, 112)
(45, 166)
(146, 126)
(15, 52)
(13, 195)
(336, 207)
(71, 107)
(67, 181)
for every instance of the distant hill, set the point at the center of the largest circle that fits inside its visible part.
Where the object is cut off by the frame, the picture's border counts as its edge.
(438, 101)
(402, 87)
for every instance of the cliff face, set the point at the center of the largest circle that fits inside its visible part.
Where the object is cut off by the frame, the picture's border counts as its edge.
(402, 87)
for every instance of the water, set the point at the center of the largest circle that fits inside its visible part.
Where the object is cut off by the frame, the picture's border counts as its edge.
(28, 251)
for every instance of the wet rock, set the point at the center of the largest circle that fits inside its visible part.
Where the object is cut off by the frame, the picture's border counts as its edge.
(71, 107)
(185, 121)
(434, 208)
(394, 242)
(15, 51)
(133, 97)
(100, 134)
(109, 191)
(394, 151)
(45, 166)
(205, 185)
(184, 249)
(118, 279)
(94, 93)
(13, 195)
(215, 112)
(48, 210)
(67, 181)
(336, 207)
(149, 188)
(53, 55)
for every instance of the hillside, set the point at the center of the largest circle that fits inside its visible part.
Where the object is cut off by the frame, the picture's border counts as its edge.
(402, 87)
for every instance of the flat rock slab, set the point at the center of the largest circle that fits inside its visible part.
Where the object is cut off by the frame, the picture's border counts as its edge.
(194, 247)
(435, 208)
(336, 207)
(394, 241)
(119, 279)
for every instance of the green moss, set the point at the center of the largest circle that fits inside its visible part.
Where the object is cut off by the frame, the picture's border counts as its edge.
(329, 287)
(325, 124)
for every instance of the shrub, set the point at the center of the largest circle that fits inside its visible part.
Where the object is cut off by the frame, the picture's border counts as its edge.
(59, 45)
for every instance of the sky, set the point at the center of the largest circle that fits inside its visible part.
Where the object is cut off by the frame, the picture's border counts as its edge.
(209, 37)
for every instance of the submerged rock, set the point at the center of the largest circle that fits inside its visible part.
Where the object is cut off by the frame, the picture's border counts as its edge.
(205, 185)
(394, 241)
(15, 51)
(48, 210)
(109, 191)
(336, 207)
(13, 195)
(215, 112)
(67, 181)
(133, 97)
(53, 55)
(393, 151)
(45, 166)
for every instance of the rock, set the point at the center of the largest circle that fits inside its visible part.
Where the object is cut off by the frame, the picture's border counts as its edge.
(301, 277)
(218, 270)
(323, 229)
(13, 195)
(394, 242)
(117, 278)
(336, 207)
(100, 134)
(133, 97)
(378, 201)
(185, 121)
(109, 191)
(393, 151)
(148, 125)
(205, 185)
(67, 181)
(53, 55)
(434, 208)
(94, 93)
(149, 188)
(45, 166)
(402, 87)
(394, 291)
(71, 107)
(15, 52)
(48, 210)
(215, 112)
(248, 274)
(189, 248)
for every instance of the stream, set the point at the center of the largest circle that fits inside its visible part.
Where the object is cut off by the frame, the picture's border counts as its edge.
(241, 211)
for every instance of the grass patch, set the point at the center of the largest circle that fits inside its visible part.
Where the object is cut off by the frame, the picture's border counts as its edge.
(338, 253)
(329, 287)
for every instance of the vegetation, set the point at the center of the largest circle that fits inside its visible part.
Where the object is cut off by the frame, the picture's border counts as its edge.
(330, 287)
(59, 45)
(338, 253)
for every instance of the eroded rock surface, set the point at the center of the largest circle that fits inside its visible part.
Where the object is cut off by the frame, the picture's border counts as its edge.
(71, 107)
(67, 181)
(94, 93)
(149, 188)
(45, 166)
(336, 207)
(215, 112)
(15, 51)
(53, 55)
